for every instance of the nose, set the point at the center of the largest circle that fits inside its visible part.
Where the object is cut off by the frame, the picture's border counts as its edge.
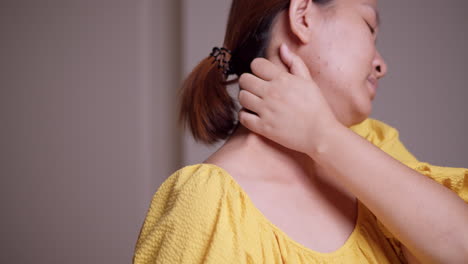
(379, 66)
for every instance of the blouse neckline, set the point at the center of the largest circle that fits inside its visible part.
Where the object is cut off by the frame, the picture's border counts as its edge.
(349, 241)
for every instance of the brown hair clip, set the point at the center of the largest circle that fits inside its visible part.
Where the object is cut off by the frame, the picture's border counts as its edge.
(221, 56)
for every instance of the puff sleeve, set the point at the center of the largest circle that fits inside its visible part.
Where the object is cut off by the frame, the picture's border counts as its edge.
(387, 139)
(456, 179)
(188, 220)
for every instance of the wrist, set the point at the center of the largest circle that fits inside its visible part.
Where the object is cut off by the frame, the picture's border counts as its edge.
(327, 135)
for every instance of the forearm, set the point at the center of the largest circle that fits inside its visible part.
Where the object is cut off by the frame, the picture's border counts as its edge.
(428, 218)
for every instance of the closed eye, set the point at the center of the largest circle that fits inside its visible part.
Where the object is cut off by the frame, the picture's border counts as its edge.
(371, 28)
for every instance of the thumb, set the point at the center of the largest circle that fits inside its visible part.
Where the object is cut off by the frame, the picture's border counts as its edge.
(295, 64)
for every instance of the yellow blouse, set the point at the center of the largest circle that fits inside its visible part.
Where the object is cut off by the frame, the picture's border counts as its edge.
(200, 214)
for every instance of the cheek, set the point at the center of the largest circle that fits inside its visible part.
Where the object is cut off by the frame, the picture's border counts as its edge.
(347, 69)
(350, 103)
(340, 67)
(335, 82)
(350, 49)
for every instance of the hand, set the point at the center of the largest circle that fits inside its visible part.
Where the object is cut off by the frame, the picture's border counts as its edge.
(290, 107)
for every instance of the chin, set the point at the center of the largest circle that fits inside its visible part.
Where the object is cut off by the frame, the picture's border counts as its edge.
(362, 112)
(357, 109)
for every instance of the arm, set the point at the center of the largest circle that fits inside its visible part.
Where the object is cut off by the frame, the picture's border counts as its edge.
(429, 219)
(409, 257)
(403, 199)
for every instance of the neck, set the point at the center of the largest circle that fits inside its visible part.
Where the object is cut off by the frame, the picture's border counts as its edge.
(265, 160)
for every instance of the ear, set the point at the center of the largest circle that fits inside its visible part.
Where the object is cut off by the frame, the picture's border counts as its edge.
(302, 13)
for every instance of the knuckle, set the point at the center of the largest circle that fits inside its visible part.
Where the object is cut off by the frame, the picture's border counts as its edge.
(273, 94)
(240, 116)
(242, 79)
(283, 78)
(243, 118)
(253, 63)
(262, 90)
(242, 94)
(256, 63)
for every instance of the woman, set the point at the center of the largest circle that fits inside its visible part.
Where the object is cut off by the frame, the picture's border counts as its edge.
(304, 176)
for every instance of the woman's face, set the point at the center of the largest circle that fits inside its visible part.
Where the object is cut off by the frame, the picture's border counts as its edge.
(342, 57)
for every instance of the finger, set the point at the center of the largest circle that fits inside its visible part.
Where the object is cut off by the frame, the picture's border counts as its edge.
(253, 84)
(295, 64)
(264, 69)
(250, 121)
(250, 101)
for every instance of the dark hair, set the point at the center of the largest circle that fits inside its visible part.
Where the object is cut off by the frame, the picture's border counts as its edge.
(206, 106)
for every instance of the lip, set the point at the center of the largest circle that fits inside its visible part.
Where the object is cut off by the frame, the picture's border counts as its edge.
(374, 84)
(373, 81)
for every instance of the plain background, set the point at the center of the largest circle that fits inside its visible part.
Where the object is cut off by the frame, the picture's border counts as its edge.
(88, 109)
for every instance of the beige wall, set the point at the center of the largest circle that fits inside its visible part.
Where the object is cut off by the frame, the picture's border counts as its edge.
(425, 92)
(85, 129)
(87, 114)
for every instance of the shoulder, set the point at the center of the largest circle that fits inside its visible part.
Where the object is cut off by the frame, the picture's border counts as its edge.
(199, 179)
(384, 136)
(192, 192)
(375, 131)
(192, 186)
(188, 216)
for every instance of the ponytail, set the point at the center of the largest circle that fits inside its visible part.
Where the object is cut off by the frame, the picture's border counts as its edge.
(206, 106)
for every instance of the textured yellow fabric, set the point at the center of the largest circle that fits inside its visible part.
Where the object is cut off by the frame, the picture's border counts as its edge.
(200, 214)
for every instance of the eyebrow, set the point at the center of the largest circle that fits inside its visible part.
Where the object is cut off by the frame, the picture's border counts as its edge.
(377, 14)
(378, 17)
